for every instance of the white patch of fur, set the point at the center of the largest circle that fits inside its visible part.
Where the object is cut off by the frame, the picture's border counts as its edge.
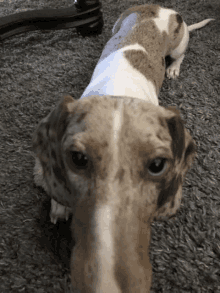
(134, 47)
(105, 249)
(176, 53)
(199, 24)
(117, 123)
(117, 77)
(162, 21)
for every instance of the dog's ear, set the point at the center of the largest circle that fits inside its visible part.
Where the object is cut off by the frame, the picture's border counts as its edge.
(176, 130)
(183, 148)
(48, 135)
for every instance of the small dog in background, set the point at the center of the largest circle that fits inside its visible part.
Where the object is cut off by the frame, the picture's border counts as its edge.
(115, 158)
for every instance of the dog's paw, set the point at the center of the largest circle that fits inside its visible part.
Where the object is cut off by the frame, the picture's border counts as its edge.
(58, 211)
(173, 72)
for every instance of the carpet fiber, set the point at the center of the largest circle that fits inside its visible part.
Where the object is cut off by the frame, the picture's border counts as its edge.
(36, 70)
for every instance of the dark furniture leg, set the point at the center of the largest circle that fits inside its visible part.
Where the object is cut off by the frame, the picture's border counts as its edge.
(84, 15)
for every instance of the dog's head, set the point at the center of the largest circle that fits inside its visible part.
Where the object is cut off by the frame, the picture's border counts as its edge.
(119, 163)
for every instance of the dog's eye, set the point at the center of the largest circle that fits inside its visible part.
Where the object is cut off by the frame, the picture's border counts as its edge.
(79, 159)
(157, 166)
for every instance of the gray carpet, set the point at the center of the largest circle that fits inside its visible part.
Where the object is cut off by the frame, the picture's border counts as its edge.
(36, 69)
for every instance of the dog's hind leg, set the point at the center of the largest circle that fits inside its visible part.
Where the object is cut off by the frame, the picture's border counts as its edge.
(178, 55)
(174, 69)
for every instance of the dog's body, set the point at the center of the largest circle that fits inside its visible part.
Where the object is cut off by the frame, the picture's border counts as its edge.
(115, 158)
(133, 61)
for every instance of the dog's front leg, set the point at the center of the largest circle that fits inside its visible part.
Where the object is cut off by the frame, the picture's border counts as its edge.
(173, 70)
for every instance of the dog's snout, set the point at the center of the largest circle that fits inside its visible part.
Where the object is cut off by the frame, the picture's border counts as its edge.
(107, 226)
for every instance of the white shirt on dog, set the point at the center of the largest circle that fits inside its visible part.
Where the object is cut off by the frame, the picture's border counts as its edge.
(114, 75)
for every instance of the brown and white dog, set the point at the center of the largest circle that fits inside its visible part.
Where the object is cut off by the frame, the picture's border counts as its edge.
(115, 158)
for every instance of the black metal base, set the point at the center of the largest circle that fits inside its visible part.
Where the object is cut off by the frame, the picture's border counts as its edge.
(84, 15)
